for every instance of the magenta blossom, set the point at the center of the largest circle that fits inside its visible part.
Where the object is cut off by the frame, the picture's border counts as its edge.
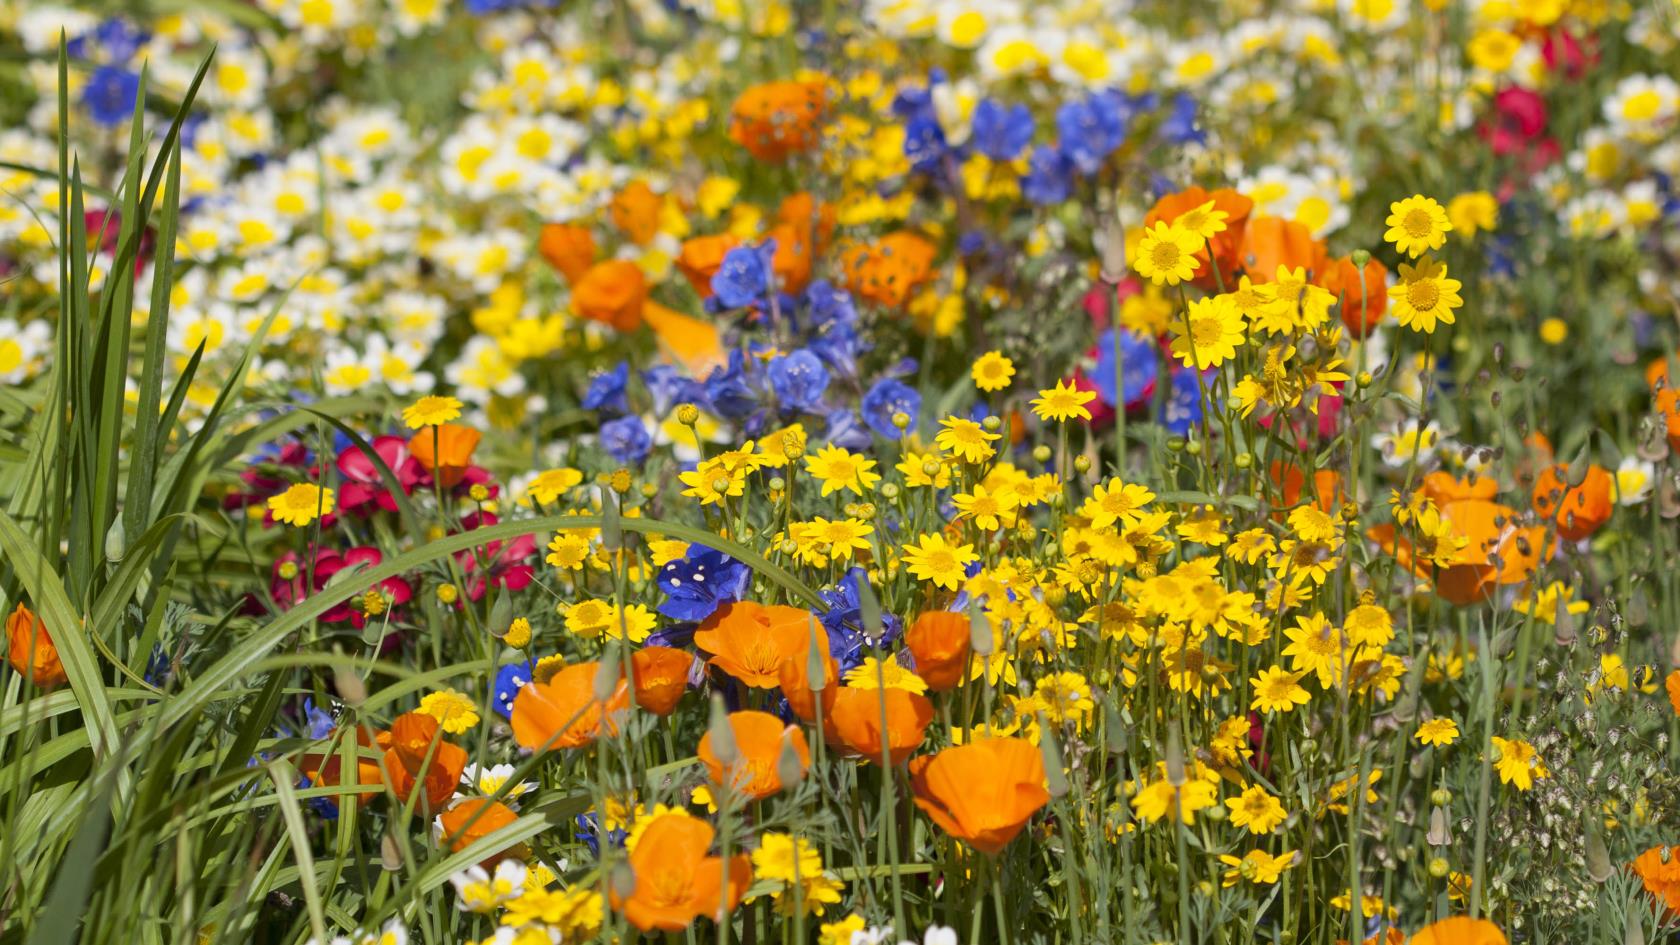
(505, 564)
(296, 578)
(364, 488)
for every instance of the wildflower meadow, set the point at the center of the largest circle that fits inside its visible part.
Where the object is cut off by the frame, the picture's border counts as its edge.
(840, 472)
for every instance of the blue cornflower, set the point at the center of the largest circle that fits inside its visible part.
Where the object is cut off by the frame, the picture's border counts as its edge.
(1142, 363)
(798, 378)
(607, 390)
(886, 398)
(626, 440)
(745, 275)
(699, 583)
(109, 95)
(1001, 133)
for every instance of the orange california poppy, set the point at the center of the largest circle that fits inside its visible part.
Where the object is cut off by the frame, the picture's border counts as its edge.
(774, 120)
(1364, 296)
(701, 257)
(676, 881)
(1668, 405)
(1226, 244)
(661, 677)
(1459, 930)
(981, 793)
(1291, 481)
(1579, 510)
(563, 711)
(30, 649)
(611, 292)
(1661, 879)
(569, 248)
(694, 343)
(1441, 487)
(759, 741)
(1499, 551)
(1270, 242)
(795, 675)
(810, 216)
(751, 641)
(791, 261)
(856, 718)
(1673, 685)
(635, 210)
(414, 738)
(939, 642)
(474, 819)
(891, 269)
(1656, 373)
(325, 769)
(445, 450)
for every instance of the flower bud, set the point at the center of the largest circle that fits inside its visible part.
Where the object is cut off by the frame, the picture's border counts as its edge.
(688, 414)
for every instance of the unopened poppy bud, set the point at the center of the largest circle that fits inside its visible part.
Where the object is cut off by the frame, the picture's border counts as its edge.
(816, 673)
(869, 612)
(116, 542)
(623, 880)
(1175, 760)
(979, 631)
(789, 769)
(688, 414)
(607, 676)
(1041, 453)
(1055, 779)
(722, 734)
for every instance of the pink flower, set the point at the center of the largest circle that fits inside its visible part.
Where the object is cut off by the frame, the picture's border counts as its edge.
(496, 563)
(363, 484)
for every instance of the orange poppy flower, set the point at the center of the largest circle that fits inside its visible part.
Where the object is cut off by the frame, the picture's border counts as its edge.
(635, 210)
(563, 712)
(1661, 879)
(774, 120)
(1291, 481)
(1656, 373)
(326, 769)
(690, 341)
(474, 819)
(855, 719)
(661, 677)
(701, 257)
(1580, 510)
(981, 793)
(1364, 296)
(1499, 551)
(1668, 405)
(1226, 245)
(795, 676)
(751, 641)
(30, 649)
(412, 740)
(939, 641)
(676, 881)
(1441, 487)
(569, 248)
(1672, 683)
(809, 216)
(791, 262)
(1270, 242)
(611, 292)
(445, 450)
(890, 270)
(759, 740)
(1459, 930)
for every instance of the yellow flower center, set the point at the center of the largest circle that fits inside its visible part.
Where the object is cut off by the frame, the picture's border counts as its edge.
(1417, 224)
(1424, 295)
(1165, 255)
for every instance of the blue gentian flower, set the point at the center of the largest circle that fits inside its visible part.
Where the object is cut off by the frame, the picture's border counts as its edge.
(626, 440)
(886, 398)
(607, 390)
(699, 583)
(509, 680)
(798, 379)
(109, 95)
(1049, 177)
(843, 622)
(744, 276)
(1001, 133)
(1141, 360)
